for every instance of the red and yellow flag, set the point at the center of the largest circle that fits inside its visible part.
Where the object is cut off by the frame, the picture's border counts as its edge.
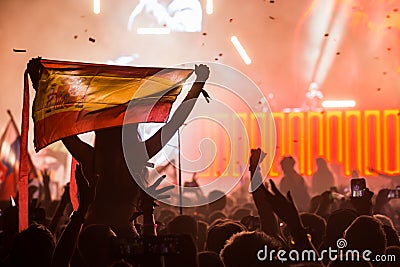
(73, 98)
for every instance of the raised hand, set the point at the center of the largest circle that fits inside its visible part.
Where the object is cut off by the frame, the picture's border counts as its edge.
(284, 207)
(87, 192)
(202, 72)
(256, 157)
(158, 193)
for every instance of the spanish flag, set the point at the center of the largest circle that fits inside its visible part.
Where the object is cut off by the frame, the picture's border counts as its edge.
(74, 97)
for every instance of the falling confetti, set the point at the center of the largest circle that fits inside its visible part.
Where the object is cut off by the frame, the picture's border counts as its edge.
(204, 33)
(272, 1)
(395, 10)
(230, 20)
(271, 17)
(75, 36)
(384, 73)
(92, 40)
(220, 54)
(326, 34)
(19, 50)
(389, 49)
(323, 112)
(295, 141)
(388, 16)
(216, 59)
(378, 89)
(337, 53)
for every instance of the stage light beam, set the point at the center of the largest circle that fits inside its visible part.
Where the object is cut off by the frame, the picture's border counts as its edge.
(240, 49)
(96, 7)
(338, 103)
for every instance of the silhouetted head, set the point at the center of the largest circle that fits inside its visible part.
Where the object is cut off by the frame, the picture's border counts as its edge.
(365, 233)
(287, 163)
(337, 223)
(94, 245)
(209, 259)
(33, 247)
(239, 213)
(215, 215)
(316, 227)
(217, 200)
(183, 224)
(242, 249)
(219, 233)
(321, 163)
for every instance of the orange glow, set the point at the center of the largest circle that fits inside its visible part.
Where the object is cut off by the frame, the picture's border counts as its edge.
(388, 143)
(353, 138)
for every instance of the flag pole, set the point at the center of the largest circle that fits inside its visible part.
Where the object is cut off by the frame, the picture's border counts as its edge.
(179, 172)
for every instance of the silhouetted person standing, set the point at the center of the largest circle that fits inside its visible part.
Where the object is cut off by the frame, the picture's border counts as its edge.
(322, 179)
(295, 183)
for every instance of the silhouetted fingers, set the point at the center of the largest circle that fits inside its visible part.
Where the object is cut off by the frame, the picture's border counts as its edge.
(158, 182)
(164, 189)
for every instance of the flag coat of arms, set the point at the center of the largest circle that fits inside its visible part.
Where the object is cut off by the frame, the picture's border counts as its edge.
(73, 98)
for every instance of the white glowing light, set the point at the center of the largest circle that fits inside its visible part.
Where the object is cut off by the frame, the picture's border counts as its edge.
(96, 6)
(210, 7)
(240, 49)
(339, 103)
(153, 31)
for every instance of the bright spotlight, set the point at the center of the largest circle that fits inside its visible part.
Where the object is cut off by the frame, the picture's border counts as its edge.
(96, 6)
(240, 49)
(338, 103)
(209, 7)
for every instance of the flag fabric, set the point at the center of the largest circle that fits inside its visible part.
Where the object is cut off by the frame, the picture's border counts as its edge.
(9, 162)
(73, 98)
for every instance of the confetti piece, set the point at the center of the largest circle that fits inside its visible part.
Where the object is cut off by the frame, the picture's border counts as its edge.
(272, 1)
(85, 30)
(277, 147)
(75, 36)
(326, 34)
(204, 33)
(215, 59)
(323, 112)
(384, 73)
(230, 20)
(337, 53)
(202, 44)
(92, 40)
(220, 54)
(378, 89)
(271, 17)
(389, 49)
(19, 50)
(389, 27)
(395, 10)
(388, 16)
(295, 141)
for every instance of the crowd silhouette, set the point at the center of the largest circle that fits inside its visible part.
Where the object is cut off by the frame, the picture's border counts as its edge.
(119, 224)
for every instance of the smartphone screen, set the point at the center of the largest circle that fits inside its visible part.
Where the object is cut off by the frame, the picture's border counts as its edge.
(358, 187)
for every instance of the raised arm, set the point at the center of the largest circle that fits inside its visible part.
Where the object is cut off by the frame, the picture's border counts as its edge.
(269, 223)
(82, 152)
(162, 136)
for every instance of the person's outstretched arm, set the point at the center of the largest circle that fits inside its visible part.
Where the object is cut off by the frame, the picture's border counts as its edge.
(66, 245)
(269, 224)
(81, 151)
(162, 136)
